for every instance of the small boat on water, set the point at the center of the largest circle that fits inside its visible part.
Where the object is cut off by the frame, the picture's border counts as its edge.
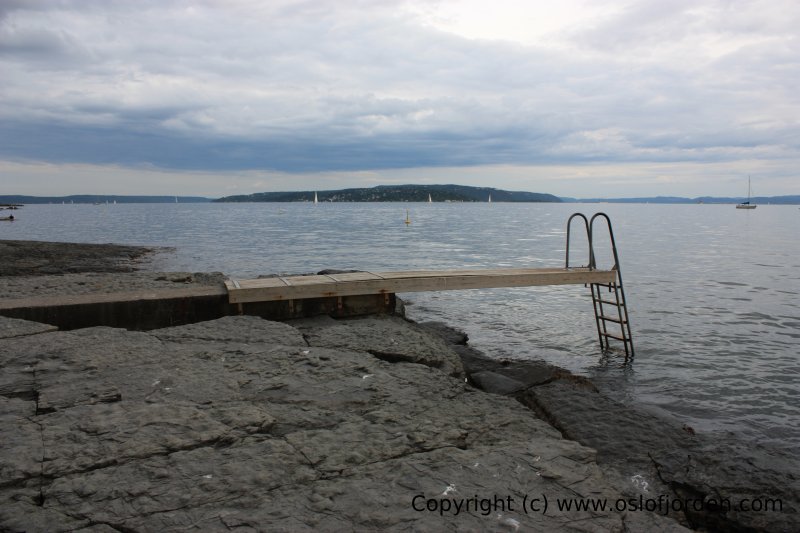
(9, 218)
(747, 204)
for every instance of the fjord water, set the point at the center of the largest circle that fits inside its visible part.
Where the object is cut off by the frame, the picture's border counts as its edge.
(713, 291)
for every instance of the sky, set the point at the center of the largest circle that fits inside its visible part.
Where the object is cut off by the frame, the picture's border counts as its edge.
(573, 98)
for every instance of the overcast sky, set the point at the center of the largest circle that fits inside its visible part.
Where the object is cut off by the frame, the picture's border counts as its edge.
(574, 98)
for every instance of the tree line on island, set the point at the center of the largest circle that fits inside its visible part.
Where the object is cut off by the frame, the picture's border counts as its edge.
(399, 193)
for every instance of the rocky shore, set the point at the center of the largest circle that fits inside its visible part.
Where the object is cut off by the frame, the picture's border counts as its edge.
(366, 424)
(32, 258)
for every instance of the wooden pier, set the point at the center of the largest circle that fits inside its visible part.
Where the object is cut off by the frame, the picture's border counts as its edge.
(609, 308)
(362, 283)
(332, 291)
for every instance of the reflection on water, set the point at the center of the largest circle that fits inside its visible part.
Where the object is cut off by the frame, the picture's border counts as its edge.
(712, 290)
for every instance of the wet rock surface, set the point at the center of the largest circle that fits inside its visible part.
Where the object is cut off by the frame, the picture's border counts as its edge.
(239, 423)
(390, 338)
(648, 455)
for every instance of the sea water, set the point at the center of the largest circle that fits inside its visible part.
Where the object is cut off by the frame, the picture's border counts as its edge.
(713, 292)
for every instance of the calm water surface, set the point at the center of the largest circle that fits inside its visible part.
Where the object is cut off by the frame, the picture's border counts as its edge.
(713, 291)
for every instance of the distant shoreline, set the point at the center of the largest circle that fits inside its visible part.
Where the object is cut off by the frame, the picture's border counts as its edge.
(385, 194)
(779, 200)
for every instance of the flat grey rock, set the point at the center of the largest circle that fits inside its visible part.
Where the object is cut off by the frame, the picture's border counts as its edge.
(15, 327)
(388, 337)
(238, 329)
(191, 428)
(496, 383)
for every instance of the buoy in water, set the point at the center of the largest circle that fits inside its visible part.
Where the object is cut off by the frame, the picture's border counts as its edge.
(408, 220)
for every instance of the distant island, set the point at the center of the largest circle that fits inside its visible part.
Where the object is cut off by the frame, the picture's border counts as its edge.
(389, 193)
(399, 193)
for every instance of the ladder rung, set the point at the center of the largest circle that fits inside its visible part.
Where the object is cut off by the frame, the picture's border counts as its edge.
(609, 286)
(618, 304)
(612, 319)
(614, 336)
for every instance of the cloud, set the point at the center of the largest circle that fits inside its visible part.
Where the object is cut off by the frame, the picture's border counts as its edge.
(305, 86)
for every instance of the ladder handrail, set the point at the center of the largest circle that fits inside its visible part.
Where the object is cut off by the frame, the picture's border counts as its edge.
(588, 237)
(611, 236)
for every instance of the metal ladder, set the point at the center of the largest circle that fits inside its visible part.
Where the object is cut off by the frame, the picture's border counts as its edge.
(609, 308)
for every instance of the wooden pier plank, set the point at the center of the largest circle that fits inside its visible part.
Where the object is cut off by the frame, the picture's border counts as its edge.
(357, 283)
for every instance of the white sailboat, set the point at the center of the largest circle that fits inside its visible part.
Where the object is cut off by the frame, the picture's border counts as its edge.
(747, 204)
(315, 197)
(429, 198)
(490, 197)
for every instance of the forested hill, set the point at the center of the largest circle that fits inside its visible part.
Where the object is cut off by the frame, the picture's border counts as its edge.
(399, 193)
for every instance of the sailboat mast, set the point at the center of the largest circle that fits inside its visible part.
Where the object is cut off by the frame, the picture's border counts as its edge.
(748, 188)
